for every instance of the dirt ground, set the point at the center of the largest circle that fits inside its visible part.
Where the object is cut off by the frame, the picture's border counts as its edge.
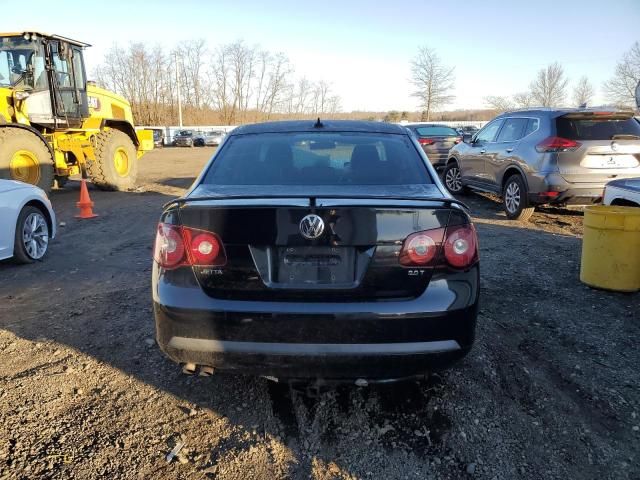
(551, 389)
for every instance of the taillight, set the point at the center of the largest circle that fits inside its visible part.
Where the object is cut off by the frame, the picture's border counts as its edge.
(421, 248)
(169, 247)
(426, 141)
(461, 246)
(557, 144)
(177, 246)
(457, 141)
(458, 243)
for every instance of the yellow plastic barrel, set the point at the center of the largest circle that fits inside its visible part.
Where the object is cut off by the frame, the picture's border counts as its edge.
(611, 248)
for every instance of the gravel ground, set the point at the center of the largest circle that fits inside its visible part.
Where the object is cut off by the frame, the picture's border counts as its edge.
(549, 391)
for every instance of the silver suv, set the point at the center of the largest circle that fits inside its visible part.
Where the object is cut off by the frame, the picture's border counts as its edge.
(546, 156)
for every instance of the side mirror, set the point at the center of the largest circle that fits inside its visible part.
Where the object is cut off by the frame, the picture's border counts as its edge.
(638, 95)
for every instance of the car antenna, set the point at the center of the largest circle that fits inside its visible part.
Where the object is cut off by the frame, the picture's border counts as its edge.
(318, 124)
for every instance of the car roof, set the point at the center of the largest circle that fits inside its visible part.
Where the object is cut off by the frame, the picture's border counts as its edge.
(557, 112)
(327, 126)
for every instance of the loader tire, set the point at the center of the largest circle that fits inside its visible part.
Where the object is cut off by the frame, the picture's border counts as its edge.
(116, 163)
(25, 157)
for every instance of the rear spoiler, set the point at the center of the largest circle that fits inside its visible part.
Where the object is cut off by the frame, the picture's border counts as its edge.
(448, 202)
(595, 114)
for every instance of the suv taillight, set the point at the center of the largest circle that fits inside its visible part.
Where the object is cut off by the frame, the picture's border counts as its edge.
(458, 244)
(557, 144)
(177, 246)
(426, 141)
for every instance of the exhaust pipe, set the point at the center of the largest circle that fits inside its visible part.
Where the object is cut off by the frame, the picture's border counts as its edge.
(189, 368)
(206, 371)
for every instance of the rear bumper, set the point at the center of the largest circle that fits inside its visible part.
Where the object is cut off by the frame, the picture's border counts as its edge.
(374, 340)
(567, 193)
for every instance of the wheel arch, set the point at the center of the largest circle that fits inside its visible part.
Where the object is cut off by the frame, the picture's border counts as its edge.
(39, 204)
(125, 127)
(513, 170)
(29, 128)
(453, 158)
(623, 202)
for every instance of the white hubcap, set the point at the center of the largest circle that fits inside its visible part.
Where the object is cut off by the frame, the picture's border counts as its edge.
(512, 197)
(35, 235)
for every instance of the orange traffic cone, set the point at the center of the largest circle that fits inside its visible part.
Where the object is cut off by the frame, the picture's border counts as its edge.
(85, 204)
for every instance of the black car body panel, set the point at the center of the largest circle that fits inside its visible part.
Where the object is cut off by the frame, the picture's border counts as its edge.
(338, 306)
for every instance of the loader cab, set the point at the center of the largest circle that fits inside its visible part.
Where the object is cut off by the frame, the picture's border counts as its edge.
(50, 73)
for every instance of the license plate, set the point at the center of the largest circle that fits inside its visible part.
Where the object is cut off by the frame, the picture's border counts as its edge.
(316, 265)
(609, 161)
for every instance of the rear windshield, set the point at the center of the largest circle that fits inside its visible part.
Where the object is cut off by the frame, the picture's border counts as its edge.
(596, 129)
(435, 131)
(318, 159)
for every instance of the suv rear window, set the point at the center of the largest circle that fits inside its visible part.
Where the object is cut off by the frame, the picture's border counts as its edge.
(437, 131)
(596, 129)
(318, 159)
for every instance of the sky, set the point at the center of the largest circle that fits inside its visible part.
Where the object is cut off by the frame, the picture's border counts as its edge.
(364, 49)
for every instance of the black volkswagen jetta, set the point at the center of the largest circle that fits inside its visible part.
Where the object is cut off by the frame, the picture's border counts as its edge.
(325, 250)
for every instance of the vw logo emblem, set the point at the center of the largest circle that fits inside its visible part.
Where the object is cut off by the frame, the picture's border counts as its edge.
(614, 146)
(311, 226)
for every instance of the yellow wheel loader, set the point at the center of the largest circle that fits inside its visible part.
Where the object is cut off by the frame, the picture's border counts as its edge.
(54, 124)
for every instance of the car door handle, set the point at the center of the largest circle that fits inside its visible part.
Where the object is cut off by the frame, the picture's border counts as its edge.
(509, 150)
(483, 151)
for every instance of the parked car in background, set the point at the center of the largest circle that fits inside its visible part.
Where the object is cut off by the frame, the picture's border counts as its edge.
(467, 131)
(27, 222)
(547, 156)
(313, 249)
(436, 141)
(209, 139)
(184, 138)
(624, 192)
(158, 137)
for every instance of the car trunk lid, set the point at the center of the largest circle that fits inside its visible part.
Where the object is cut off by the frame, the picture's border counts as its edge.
(354, 258)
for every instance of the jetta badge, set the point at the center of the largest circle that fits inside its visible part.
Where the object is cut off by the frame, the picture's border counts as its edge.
(311, 226)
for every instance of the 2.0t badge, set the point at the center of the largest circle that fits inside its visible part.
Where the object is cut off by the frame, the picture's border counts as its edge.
(311, 226)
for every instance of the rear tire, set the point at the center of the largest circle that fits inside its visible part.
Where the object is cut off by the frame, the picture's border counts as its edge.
(515, 199)
(452, 179)
(116, 164)
(31, 240)
(25, 157)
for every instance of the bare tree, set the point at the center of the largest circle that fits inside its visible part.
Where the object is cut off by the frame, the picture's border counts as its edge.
(549, 87)
(333, 105)
(220, 75)
(499, 104)
(277, 85)
(432, 79)
(620, 89)
(233, 83)
(242, 62)
(191, 56)
(583, 92)
(523, 99)
(139, 73)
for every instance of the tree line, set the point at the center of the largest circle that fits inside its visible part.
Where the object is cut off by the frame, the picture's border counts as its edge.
(230, 84)
(434, 82)
(237, 83)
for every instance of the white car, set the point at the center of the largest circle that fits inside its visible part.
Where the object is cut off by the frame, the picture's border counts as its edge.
(625, 192)
(27, 222)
